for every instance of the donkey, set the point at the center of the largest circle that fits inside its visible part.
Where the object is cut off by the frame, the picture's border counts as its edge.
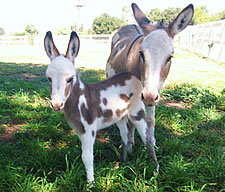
(146, 51)
(92, 107)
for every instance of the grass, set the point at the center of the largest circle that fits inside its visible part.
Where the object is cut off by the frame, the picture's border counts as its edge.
(39, 152)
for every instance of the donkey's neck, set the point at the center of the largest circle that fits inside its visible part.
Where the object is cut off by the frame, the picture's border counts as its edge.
(71, 109)
(77, 90)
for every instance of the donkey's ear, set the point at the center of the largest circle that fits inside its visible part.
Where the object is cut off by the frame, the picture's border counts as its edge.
(181, 21)
(73, 46)
(140, 17)
(50, 47)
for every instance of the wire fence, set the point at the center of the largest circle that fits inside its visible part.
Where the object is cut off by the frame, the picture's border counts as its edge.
(207, 39)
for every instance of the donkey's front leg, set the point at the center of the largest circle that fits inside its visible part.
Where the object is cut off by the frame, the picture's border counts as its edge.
(87, 141)
(131, 131)
(151, 123)
(138, 118)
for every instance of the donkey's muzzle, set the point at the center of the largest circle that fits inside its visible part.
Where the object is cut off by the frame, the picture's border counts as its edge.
(57, 106)
(150, 99)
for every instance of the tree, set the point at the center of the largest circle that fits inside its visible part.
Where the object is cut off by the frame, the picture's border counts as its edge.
(63, 31)
(218, 16)
(31, 30)
(155, 15)
(167, 15)
(170, 14)
(200, 16)
(221, 15)
(106, 24)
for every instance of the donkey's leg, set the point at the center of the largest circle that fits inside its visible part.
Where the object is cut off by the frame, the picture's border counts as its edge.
(151, 122)
(122, 125)
(137, 117)
(87, 141)
(131, 131)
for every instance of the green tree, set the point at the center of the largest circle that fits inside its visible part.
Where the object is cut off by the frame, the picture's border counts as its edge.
(170, 14)
(106, 24)
(221, 15)
(167, 15)
(63, 31)
(155, 15)
(218, 16)
(200, 16)
(31, 30)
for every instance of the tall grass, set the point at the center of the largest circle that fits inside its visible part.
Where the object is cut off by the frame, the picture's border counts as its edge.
(39, 152)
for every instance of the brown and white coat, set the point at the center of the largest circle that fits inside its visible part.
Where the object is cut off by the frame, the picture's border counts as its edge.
(91, 107)
(146, 51)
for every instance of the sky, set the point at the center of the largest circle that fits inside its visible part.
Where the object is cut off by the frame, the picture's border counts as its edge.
(51, 15)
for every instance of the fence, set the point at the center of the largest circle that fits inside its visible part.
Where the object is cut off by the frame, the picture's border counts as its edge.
(35, 40)
(207, 39)
(94, 49)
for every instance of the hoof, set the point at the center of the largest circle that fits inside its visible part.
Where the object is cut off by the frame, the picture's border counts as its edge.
(90, 184)
(129, 147)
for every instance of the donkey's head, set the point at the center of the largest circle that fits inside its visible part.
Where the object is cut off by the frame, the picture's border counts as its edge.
(61, 72)
(157, 50)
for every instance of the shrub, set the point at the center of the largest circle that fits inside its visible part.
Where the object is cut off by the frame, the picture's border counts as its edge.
(105, 24)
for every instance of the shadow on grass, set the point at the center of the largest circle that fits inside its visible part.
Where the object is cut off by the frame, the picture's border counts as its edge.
(44, 153)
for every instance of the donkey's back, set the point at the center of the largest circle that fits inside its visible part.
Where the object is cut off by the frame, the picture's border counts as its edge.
(124, 50)
(125, 34)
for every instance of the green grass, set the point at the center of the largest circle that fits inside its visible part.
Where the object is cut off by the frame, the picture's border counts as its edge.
(39, 152)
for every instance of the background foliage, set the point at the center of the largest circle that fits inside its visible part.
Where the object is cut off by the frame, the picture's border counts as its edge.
(201, 15)
(31, 30)
(106, 24)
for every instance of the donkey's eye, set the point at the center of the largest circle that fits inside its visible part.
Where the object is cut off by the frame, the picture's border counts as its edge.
(69, 80)
(50, 79)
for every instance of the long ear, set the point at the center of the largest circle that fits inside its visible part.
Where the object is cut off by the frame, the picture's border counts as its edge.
(73, 46)
(50, 47)
(181, 21)
(141, 19)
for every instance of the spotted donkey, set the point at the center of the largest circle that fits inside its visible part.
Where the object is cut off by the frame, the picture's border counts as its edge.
(92, 107)
(146, 50)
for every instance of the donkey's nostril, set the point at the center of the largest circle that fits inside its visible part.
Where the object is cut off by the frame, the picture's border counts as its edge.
(61, 105)
(142, 96)
(51, 105)
(157, 98)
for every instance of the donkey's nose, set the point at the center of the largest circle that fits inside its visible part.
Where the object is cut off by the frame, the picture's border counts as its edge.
(150, 99)
(56, 106)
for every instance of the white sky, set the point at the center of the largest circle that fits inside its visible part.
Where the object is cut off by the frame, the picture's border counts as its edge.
(52, 14)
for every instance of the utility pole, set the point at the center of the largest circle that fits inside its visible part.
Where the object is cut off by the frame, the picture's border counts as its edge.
(78, 5)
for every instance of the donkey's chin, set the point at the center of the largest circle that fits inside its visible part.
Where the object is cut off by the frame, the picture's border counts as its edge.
(58, 109)
(150, 104)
